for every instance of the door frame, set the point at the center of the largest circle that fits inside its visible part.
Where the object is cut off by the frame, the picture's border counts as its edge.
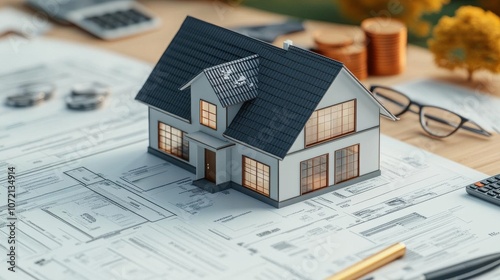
(208, 165)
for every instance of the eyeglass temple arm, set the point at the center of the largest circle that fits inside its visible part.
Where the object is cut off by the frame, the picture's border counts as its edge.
(471, 129)
(479, 131)
(392, 100)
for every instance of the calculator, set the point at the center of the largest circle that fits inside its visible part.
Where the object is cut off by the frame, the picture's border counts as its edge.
(487, 189)
(106, 19)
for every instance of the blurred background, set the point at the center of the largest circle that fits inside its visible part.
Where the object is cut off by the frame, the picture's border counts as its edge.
(420, 15)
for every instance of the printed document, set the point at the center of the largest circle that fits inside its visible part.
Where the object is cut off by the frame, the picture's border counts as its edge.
(91, 203)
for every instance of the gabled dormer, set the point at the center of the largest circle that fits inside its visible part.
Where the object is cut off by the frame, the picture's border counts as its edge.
(218, 92)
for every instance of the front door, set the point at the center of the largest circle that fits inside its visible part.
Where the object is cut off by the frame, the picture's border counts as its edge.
(210, 166)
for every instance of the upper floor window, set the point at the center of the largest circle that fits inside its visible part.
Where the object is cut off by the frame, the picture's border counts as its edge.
(331, 122)
(208, 114)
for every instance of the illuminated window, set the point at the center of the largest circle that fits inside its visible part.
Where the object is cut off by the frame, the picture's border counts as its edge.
(172, 141)
(346, 163)
(256, 176)
(314, 174)
(208, 114)
(331, 122)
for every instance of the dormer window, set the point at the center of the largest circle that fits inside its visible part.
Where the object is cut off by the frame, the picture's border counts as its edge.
(208, 114)
(331, 122)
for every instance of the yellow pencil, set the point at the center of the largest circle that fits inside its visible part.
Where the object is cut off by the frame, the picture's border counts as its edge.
(371, 263)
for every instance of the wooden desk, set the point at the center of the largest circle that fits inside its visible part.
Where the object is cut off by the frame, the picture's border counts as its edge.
(474, 151)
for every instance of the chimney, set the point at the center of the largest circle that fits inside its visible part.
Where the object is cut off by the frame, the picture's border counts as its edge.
(287, 44)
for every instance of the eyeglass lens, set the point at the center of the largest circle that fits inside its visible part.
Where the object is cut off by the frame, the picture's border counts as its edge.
(439, 122)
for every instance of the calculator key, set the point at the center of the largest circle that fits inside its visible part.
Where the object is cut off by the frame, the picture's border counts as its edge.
(131, 13)
(134, 19)
(99, 21)
(493, 186)
(121, 17)
(121, 13)
(143, 19)
(108, 18)
(484, 190)
(491, 194)
(473, 187)
(479, 184)
(492, 180)
(485, 182)
(135, 12)
(95, 20)
(120, 23)
(137, 16)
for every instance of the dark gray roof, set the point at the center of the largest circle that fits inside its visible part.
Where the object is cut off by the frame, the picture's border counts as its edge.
(233, 82)
(291, 83)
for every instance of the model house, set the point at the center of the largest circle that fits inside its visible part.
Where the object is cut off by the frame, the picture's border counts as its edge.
(279, 124)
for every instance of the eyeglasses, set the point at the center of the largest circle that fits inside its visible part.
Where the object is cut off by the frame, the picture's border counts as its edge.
(436, 121)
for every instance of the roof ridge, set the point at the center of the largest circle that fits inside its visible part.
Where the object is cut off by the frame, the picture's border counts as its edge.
(232, 62)
(205, 70)
(266, 44)
(314, 55)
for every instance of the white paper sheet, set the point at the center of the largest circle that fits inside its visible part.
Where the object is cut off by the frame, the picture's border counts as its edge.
(117, 212)
(477, 106)
(28, 25)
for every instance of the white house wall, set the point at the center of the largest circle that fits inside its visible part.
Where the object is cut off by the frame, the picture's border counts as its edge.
(221, 175)
(232, 111)
(345, 88)
(237, 153)
(289, 168)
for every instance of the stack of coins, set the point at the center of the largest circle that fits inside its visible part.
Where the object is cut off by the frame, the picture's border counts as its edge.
(386, 45)
(87, 96)
(342, 47)
(30, 95)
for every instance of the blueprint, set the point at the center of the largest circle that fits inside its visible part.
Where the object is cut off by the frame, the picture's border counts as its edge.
(93, 204)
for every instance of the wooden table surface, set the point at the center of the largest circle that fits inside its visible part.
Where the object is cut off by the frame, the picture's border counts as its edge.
(474, 151)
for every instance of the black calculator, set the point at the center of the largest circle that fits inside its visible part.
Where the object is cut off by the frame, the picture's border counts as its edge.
(106, 19)
(487, 189)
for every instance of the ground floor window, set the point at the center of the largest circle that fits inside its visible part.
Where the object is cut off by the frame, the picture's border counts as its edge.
(256, 175)
(346, 163)
(314, 174)
(173, 141)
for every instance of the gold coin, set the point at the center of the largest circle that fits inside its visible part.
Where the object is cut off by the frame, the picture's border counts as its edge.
(331, 39)
(382, 26)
